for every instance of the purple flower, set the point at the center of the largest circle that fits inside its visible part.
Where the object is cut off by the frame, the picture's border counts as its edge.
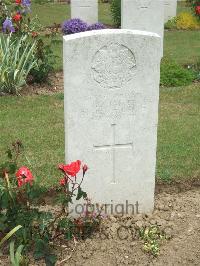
(26, 3)
(74, 26)
(27, 6)
(8, 26)
(96, 26)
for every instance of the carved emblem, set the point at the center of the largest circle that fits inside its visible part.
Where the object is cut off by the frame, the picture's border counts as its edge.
(113, 65)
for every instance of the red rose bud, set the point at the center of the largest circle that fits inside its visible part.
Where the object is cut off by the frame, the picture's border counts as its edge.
(197, 9)
(34, 34)
(18, 2)
(85, 168)
(62, 182)
(17, 17)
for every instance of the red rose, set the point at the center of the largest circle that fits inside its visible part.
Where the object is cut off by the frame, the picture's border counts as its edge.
(34, 34)
(63, 182)
(197, 9)
(17, 17)
(24, 176)
(71, 169)
(18, 2)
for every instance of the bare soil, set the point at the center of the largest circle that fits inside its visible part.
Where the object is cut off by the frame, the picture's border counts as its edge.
(177, 213)
(55, 84)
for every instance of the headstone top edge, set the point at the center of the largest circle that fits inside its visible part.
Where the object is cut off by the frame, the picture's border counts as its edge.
(109, 31)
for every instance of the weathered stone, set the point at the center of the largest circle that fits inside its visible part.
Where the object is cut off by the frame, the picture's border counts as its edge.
(147, 15)
(87, 10)
(170, 9)
(111, 115)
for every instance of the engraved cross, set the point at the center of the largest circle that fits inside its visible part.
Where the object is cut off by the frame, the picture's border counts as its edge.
(113, 148)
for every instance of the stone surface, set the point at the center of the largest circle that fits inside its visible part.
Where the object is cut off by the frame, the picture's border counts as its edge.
(170, 8)
(147, 15)
(111, 114)
(87, 10)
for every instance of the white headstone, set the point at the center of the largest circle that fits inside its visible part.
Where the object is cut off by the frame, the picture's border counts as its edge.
(111, 113)
(87, 10)
(147, 15)
(170, 8)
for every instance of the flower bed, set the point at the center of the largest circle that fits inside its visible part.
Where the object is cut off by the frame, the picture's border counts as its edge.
(76, 25)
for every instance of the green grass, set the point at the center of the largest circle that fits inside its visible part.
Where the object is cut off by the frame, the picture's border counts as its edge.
(51, 13)
(54, 12)
(182, 46)
(178, 132)
(38, 122)
(57, 13)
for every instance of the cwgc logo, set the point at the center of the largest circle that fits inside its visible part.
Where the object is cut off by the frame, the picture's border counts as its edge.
(113, 65)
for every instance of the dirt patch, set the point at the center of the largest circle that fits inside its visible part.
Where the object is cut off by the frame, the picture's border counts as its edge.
(55, 84)
(177, 214)
(177, 185)
(117, 243)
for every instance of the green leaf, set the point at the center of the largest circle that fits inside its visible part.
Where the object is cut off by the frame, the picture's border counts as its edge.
(50, 260)
(9, 153)
(68, 199)
(12, 232)
(81, 194)
(12, 168)
(8, 167)
(40, 249)
(12, 253)
(69, 235)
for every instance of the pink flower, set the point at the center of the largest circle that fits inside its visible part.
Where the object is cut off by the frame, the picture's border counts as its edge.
(24, 176)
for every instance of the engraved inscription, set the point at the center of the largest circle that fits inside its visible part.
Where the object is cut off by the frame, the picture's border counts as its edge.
(113, 146)
(113, 66)
(121, 104)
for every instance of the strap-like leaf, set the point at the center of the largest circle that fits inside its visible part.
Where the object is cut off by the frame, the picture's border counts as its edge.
(12, 232)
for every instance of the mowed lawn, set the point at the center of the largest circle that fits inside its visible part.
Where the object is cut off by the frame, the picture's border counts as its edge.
(182, 46)
(38, 122)
(50, 13)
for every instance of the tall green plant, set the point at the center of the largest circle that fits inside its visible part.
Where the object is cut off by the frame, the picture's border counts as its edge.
(116, 12)
(174, 75)
(12, 232)
(16, 257)
(16, 61)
